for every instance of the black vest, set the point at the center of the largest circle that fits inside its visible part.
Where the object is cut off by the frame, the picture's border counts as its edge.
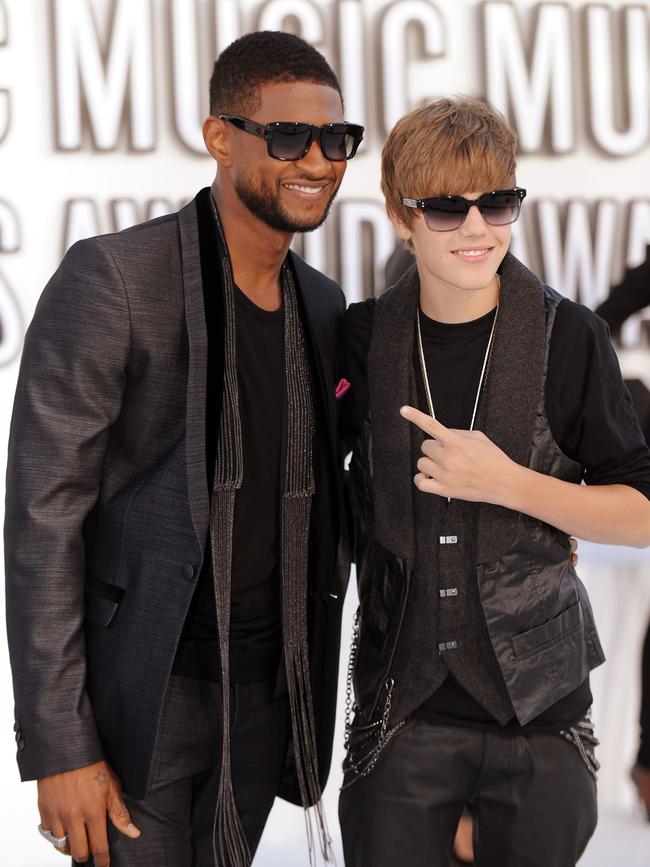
(469, 588)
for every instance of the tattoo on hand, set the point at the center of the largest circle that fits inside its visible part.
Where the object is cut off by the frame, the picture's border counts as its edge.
(101, 778)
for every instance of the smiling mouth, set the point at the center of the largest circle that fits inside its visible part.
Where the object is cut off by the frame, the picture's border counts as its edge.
(473, 252)
(307, 189)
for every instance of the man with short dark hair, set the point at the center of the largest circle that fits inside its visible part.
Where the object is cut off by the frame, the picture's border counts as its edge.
(173, 593)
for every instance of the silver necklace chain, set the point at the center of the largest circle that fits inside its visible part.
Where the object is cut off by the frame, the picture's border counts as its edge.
(481, 383)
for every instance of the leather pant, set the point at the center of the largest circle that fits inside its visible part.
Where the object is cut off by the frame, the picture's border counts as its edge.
(532, 798)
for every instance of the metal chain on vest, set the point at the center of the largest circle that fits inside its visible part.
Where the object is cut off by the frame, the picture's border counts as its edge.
(583, 737)
(373, 738)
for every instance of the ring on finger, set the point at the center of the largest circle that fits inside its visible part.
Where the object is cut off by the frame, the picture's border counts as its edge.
(57, 842)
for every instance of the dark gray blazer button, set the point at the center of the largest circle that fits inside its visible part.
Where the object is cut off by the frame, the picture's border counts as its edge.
(16, 726)
(188, 571)
(21, 744)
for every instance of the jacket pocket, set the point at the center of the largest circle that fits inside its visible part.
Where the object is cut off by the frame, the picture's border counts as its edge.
(102, 601)
(548, 634)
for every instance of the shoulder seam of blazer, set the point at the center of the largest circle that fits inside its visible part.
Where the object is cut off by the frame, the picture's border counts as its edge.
(109, 255)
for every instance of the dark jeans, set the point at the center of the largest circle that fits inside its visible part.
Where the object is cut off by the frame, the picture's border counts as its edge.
(531, 796)
(176, 817)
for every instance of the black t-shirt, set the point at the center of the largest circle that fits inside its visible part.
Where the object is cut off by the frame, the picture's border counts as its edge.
(255, 629)
(590, 416)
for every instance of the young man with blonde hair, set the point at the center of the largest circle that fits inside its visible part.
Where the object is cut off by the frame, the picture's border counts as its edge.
(476, 638)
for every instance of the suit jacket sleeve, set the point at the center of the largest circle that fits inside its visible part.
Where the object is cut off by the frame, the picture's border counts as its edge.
(69, 393)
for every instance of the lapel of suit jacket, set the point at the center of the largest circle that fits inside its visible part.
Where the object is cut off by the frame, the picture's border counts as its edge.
(391, 384)
(313, 299)
(203, 318)
(204, 321)
(514, 391)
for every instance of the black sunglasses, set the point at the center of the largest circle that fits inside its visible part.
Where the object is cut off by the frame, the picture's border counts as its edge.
(291, 141)
(446, 213)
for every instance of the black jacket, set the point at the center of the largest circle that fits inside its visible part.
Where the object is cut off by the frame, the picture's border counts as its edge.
(112, 445)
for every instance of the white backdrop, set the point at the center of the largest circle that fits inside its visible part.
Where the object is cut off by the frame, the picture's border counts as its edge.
(100, 110)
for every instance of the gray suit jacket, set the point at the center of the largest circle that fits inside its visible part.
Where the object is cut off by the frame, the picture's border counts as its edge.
(108, 484)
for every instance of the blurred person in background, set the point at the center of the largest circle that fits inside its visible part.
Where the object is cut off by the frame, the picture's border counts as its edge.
(641, 771)
(475, 637)
(625, 299)
(173, 496)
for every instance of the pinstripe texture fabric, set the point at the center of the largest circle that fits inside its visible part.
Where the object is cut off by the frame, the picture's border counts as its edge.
(107, 493)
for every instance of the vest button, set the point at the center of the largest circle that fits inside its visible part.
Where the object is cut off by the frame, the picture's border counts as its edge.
(447, 645)
(188, 571)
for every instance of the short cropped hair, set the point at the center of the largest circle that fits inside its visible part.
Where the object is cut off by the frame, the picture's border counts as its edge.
(452, 146)
(264, 57)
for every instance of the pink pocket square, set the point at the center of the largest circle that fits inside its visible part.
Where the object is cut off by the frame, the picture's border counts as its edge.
(341, 388)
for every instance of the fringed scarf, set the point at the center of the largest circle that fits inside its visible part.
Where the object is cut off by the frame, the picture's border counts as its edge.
(229, 843)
